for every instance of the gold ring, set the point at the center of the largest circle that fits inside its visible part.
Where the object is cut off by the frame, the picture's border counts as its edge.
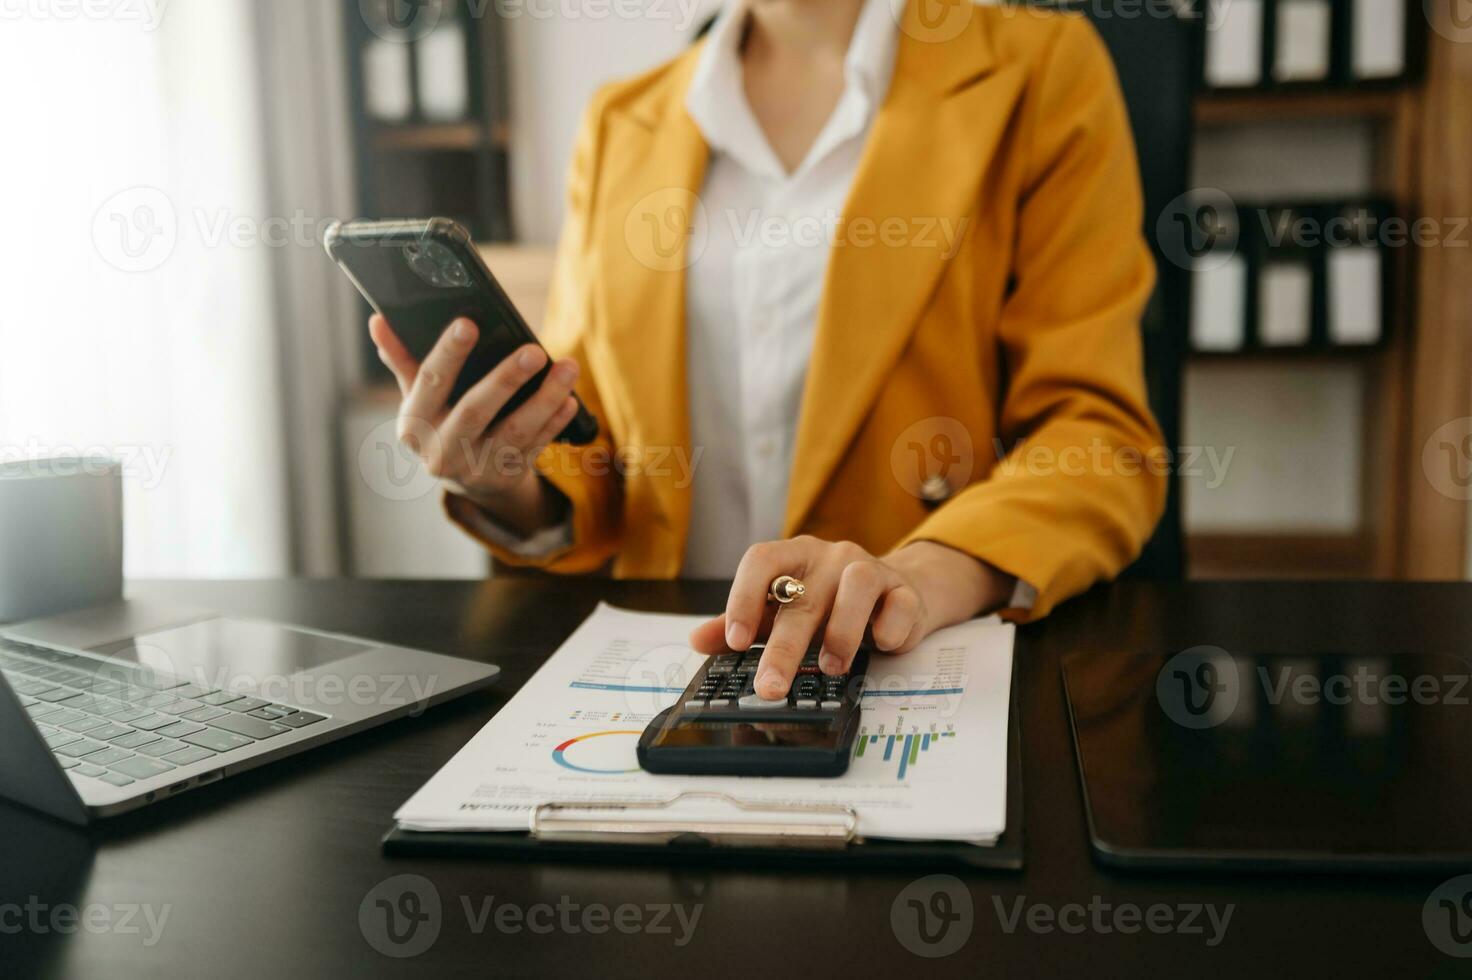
(785, 589)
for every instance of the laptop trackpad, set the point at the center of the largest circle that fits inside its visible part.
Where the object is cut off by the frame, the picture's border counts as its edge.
(229, 654)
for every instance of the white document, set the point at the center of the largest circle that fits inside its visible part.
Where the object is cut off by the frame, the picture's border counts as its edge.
(930, 762)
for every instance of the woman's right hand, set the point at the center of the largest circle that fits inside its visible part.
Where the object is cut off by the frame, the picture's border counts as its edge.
(490, 465)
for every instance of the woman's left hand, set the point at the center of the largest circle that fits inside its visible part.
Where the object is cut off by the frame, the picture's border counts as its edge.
(901, 598)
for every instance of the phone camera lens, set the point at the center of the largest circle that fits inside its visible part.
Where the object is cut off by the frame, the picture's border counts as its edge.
(436, 265)
(455, 274)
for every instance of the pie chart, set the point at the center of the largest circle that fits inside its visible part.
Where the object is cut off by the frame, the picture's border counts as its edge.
(602, 753)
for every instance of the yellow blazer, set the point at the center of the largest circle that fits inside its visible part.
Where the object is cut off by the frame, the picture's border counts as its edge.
(1005, 368)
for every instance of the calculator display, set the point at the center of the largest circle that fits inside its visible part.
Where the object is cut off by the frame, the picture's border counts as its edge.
(805, 733)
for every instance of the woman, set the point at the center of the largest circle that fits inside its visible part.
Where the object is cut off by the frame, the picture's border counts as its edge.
(855, 299)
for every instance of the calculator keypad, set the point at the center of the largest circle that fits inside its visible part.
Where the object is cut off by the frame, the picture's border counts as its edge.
(725, 684)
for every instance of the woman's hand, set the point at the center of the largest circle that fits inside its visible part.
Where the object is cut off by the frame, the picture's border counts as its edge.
(900, 598)
(490, 466)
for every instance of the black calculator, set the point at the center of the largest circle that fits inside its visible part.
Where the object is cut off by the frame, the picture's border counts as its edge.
(720, 726)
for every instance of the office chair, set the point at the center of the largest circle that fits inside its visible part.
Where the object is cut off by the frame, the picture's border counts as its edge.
(1155, 59)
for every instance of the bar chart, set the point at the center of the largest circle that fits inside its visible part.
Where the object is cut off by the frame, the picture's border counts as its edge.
(902, 750)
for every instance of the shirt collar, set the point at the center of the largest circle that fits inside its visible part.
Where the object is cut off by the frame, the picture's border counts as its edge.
(716, 100)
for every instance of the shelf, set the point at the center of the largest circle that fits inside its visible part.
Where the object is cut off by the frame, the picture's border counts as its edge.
(1285, 555)
(1234, 108)
(1295, 355)
(467, 136)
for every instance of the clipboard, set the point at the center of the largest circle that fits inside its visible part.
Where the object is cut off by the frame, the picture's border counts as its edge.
(586, 834)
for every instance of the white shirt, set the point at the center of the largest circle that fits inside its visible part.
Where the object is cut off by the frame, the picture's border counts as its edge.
(752, 295)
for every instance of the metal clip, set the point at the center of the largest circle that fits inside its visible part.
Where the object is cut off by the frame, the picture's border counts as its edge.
(581, 821)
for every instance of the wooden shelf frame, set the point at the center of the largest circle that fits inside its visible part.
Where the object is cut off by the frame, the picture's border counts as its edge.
(1232, 108)
(1435, 375)
(468, 136)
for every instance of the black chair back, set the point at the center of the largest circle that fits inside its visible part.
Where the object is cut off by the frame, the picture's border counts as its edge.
(1154, 56)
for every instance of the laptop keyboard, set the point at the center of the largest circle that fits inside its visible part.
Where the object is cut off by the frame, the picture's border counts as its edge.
(120, 723)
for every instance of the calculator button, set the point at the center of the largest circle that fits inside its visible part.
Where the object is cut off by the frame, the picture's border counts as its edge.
(723, 703)
(757, 701)
(831, 705)
(808, 703)
(694, 705)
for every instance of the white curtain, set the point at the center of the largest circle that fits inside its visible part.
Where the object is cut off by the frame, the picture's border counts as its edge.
(138, 250)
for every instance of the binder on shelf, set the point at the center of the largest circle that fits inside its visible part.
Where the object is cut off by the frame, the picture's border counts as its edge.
(388, 87)
(1286, 311)
(1219, 283)
(1377, 40)
(1233, 53)
(1302, 41)
(1295, 277)
(1262, 45)
(442, 63)
(1357, 277)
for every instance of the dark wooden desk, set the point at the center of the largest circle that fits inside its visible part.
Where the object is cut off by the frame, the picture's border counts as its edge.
(265, 873)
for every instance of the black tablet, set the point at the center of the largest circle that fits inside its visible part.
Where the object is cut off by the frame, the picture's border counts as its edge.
(1209, 758)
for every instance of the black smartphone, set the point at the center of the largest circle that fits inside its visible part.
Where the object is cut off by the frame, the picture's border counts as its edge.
(421, 275)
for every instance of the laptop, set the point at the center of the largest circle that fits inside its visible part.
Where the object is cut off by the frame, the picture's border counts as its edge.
(91, 733)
